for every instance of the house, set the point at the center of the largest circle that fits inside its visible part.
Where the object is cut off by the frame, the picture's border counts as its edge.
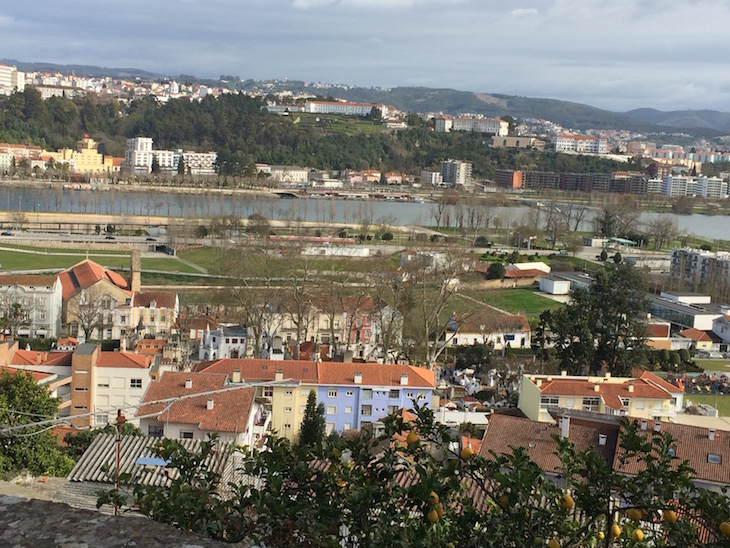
(150, 313)
(658, 335)
(184, 405)
(703, 340)
(488, 327)
(36, 303)
(355, 394)
(645, 396)
(554, 285)
(224, 342)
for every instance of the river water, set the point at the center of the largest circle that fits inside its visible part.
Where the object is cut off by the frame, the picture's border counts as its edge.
(376, 212)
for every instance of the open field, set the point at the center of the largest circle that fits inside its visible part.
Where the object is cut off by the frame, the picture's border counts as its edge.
(722, 403)
(520, 300)
(713, 365)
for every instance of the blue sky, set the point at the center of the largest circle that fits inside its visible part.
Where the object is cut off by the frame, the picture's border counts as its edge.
(618, 55)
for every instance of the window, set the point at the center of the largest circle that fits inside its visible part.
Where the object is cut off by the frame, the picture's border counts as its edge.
(394, 394)
(714, 458)
(409, 395)
(421, 396)
(392, 409)
(672, 451)
(80, 389)
(639, 404)
(331, 409)
(570, 403)
(305, 392)
(287, 410)
(80, 407)
(119, 382)
(349, 393)
(123, 319)
(550, 401)
(332, 393)
(591, 403)
(625, 402)
(156, 431)
(186, 435)
(348, 410)
(268, 391)
(287, 426)
(346, 426)
(42, 315)
(302, 408)
(289, 392)
(135, 383)
(337, 324)
(234, 341)
(367, 393)
(366, 410)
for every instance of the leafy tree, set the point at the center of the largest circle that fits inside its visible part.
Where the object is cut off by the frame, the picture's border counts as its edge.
(313, 424)
(514, 257)
(477, 356)
(34, 448)
(495, 271)
(603, 256)
(181, 166)
(603, 326)
(617, 258)
(386, 236)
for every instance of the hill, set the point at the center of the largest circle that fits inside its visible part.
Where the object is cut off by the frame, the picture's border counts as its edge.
(83, 70)
(709, 119)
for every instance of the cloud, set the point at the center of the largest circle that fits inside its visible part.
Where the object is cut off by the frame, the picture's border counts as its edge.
(372, 4)
(524, 12)
(6, 21)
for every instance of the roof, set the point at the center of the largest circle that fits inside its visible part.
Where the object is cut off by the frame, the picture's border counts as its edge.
(124, 359)
(67, 341)
(693, 444)
(37, 376)
(661, 383)
(490, 322)
(28, 279)
(32, 357)
(658, 330)
(262, 370)
(526, 273)
(504, 432)
(698, 335)
(172, 385)
(375, 374)
(609, 391)
(85, 274)
(230, 411)
(161, 299)
(102, 452)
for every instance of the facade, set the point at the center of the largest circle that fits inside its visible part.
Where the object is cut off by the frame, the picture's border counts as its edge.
(355, 394)
(102, 382)
(520, 141)
(345, 108)
(11, 80)
(223, 343)
(677, 185)
(567, 142)
(292, 174)
(478, 124)
(199, 163)
(87, 158)
(40, 299)
(499, 330)
(456, 173)
(139, 155)
(711, 187)
(507, 178)
(647, 396)
(697, 266)
(431, 178)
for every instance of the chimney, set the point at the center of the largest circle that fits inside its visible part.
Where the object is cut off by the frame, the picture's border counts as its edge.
(404, 379)
(539, 383)
(563, 373)
(236, 375)
(210, 404)
(608, 374)
(596, 387)
(631, 387)
(279, 375)
(135, 268)
(188, 383)
(643, 425)
(602, 439)
(711, 434)
(550, 378)
(564, 427)
(358, 377)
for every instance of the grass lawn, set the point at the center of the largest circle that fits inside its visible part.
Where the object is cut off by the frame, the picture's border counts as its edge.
(203, 256)
(167, 264)
(523, 300)
(28, 261)
(713, 365)
(723, 402)
(62, 250)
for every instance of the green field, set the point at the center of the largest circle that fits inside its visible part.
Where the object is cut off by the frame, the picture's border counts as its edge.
(713, 365)
(523, 300)
(722, 403)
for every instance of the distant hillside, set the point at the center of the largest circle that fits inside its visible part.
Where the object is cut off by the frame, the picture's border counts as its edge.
(709, 119)
(83, 70)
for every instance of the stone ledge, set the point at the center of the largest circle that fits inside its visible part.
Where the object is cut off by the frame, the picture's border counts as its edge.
(35, 523)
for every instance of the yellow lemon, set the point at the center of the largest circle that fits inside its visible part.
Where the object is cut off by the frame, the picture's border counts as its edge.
(467, 453)
(638, 535)
(567, 502)
(615, 531)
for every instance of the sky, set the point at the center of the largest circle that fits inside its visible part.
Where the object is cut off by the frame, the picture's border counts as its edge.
(617, 54)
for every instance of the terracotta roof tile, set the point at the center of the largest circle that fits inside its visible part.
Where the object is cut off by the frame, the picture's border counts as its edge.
(504, 431)
(37, 375)
(85, 274)
(657, 331)
(375, 374)
(692, 443)
(642, 388)
(172, 385)
(123, 359)
(262, 370)
(28, 279)
(162, 299)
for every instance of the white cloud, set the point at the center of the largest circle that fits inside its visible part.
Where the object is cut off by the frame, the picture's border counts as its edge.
(524, 12)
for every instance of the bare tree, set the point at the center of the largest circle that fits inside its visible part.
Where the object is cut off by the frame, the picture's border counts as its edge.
(15, 312)
(662, 231)
(90, 309)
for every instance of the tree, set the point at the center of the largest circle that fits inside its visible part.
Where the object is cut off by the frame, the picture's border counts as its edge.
(14, 314)
(602, 328)
(89, 311)
(313, 424)
(181, 166)
(495, 271)
(78, 442)
(34, 448)
(617, 258)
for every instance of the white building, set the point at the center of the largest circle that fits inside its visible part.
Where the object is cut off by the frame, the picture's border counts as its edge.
(292, 174)
(138, 155)
(40, 300)
(223, 342)
(711, 187)
(478, 124)
(456, 173)
(344, 108)
(11, 80)
(431, 178)
(567, 142)
(679, 185)
(200, 163)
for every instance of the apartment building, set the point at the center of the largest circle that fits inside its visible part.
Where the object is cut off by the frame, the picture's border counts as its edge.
(478, 124)
(11, 80)
(345, 108)
(36, 301)
(138, 155)
(646, 396)
(697, 266)
(456, 173)
(567, 142)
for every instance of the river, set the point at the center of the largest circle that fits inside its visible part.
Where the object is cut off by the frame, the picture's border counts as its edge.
(309, 209)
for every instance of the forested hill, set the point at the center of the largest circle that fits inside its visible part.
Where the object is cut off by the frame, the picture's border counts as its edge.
(242, 132)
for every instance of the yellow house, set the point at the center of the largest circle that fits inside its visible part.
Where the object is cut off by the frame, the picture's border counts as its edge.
(647, 396)
(704, 340)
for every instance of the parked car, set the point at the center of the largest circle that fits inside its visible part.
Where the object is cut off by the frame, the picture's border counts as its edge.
(151, 239)
(110, 238)
(6, 233)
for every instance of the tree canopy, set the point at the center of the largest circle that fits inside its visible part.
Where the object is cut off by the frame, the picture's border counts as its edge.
(603, 327)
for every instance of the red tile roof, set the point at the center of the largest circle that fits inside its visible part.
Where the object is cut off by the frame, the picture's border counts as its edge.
(696, 335)
(85, 274)
(124, 359)
(692, 443)
(661, 383)
(67, 341)
(28, 279)
(504, 431)
(527, 273)
(375, 374)
(172, 385)
(657, 331)
(262, 370)
(37, 376)
(32, 357)
(642, 388)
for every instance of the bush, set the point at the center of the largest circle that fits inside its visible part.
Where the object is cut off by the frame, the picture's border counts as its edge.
(408, 486)
(495, 271)
(387, 236)
(482, 241)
